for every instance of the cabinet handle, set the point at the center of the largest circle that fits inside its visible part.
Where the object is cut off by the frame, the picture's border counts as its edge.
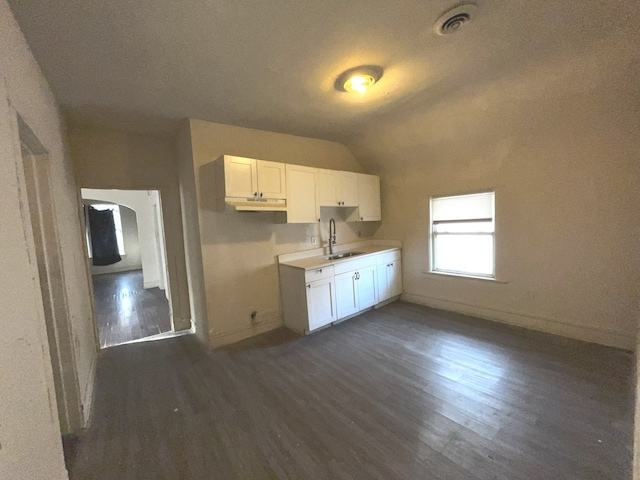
(361, 218)
(308, 285)
(255, 194)
(320, 271)
(391, 264)
(260, 194)
(318, 220)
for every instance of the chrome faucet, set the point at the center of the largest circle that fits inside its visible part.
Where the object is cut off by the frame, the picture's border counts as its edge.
(332, 237)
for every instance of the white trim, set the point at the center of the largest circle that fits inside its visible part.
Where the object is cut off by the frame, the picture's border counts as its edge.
(541, 323)
(462, 275)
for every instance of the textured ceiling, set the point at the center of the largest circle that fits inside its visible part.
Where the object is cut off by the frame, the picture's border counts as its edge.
(272, 64)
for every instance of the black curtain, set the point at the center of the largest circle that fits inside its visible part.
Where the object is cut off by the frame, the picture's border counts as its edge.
(104, 243)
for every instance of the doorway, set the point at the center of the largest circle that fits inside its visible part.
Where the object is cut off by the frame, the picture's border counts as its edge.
(127, 257)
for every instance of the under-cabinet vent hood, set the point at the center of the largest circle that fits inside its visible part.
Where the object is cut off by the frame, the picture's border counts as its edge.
(256, 205)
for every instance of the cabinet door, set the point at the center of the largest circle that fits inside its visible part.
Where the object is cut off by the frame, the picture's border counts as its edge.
(326, 194)
(321, 303)
(240, 177)
(367, 287)
(271, 179)
(394, 278)
(346, 294)
(301, 194)
(347, 189)
(383, 286)
(369, 197)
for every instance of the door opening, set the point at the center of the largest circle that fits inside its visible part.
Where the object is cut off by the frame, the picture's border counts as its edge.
(127, 257)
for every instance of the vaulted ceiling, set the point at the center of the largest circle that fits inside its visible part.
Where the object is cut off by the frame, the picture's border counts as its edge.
(272, 64)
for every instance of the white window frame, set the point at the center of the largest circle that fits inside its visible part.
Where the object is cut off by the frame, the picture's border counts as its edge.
(433, 236)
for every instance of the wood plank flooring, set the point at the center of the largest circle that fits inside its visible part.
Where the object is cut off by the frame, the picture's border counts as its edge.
(126, 311)
(404, 392)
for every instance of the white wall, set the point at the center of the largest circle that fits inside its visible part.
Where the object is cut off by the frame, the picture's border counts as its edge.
(238, 249)
(144, 203)
(560, 143)
(30, 444)
(109, 159)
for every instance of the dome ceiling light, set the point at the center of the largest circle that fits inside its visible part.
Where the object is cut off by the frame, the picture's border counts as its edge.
(358, 79)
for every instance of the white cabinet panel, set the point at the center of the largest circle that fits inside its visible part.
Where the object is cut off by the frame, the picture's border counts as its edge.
(301, 194)
(240, 177)
(326, 194)
(321, 303)
(369, 197)
(389, 275)
(347, 189)
(367, 287)
(271, 180)
(346, 294)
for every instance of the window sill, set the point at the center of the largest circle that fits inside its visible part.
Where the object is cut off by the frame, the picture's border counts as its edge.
(459, 275)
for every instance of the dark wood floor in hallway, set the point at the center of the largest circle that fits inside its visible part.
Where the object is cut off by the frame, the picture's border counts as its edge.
(126, 311)
(403, 392)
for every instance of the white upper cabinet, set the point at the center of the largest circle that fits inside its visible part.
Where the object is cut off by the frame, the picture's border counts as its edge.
(337, 189)
(369, 197)
(240, 177)
(271, 179)
(248, 178)
(301, 194)
(327, 183)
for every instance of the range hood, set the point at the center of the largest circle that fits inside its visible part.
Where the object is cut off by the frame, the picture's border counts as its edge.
(256, 204)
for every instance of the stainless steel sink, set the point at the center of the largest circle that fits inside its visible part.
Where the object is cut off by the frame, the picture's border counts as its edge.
(338, 256)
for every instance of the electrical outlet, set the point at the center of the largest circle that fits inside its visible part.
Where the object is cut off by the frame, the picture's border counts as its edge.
(314, 240)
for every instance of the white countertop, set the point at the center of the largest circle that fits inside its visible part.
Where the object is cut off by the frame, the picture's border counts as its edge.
(310, 259)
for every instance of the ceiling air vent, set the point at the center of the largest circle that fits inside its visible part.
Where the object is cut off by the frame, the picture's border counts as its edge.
(454, 19)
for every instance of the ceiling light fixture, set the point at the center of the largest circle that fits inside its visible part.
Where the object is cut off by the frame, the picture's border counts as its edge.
(358, 79)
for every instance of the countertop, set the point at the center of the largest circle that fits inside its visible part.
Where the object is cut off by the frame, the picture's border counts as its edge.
(310, 259)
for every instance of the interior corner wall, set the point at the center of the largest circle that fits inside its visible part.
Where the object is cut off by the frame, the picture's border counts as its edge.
(110, 159)
(30, 432)
(191, 234)
(239, 249)
(560, 144)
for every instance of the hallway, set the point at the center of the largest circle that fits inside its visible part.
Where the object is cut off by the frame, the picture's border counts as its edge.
(400, 392)
(126, 311)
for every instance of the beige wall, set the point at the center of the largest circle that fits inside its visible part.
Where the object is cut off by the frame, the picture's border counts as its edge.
(30, 444)
(560, 143)
(109, 159)
(239, 250)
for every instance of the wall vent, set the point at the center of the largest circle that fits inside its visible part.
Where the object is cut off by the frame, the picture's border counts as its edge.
(454, 19)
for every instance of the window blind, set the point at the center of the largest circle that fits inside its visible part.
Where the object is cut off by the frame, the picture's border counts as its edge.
(477, 206)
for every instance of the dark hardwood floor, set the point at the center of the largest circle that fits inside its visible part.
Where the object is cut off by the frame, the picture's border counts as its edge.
(126, 311)
(404, 392)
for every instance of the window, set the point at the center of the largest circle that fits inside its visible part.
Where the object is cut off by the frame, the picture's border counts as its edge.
(117, 222)
(462, 234)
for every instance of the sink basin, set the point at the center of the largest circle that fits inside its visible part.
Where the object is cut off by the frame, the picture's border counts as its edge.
(338, 256)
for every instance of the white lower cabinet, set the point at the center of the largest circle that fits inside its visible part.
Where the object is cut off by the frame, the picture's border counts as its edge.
(321, 303)
(356, 287)
(389, 275)
(317, 297)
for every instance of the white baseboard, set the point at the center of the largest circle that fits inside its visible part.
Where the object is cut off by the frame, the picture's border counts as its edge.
(218, 339)
(151, 284)
(533, 322)
(87, 394)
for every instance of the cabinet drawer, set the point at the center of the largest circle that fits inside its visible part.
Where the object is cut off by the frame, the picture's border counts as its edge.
(318, 273)
(388, 257)
(351, 265)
